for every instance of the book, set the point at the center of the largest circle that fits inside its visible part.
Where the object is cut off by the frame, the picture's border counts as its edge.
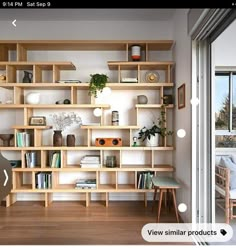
(55, 159)
(68, 81)
(87, 181)
(91, 165)
(129, 80)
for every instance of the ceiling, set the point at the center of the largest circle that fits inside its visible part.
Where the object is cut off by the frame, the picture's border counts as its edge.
(153, 14)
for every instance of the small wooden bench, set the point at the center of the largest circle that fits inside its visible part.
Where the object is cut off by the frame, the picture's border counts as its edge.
(165, 184)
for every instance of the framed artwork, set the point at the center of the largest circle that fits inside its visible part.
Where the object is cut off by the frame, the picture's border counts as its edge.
(37, 121)
(181, 96)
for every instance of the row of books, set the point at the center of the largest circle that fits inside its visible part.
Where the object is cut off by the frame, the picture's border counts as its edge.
(30, 159)
(22, 139)
(43, 180)
(145, 180)
(86, 184)
(90, 161)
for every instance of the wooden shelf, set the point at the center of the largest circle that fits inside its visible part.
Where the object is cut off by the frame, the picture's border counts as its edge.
(43, 65)
(143, 65)
(85, 86)
(86, 44)
(109, 127)
(123, 168)
(31, 127)
(54, 106)
(91, 148)
(153, 106)
(141, 86)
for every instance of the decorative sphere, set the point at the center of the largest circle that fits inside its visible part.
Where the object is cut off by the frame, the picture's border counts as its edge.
(97, 112)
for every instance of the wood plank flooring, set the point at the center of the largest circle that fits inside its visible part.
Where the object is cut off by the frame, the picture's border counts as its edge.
(71, 223)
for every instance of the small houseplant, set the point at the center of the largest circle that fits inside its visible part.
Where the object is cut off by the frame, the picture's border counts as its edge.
(150, 135)
(97, 83)
(157, 129)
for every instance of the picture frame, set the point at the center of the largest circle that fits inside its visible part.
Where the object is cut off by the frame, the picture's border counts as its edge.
(37, 121)
(181, 96)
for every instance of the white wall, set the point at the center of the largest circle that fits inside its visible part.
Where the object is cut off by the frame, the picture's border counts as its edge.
(224, 48)
(182, 155)
(98, 30)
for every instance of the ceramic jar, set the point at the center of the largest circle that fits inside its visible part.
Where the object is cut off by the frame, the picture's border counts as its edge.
(27, 77)
(142, 99)
(57, 138)
(70, 140)
(136, 52)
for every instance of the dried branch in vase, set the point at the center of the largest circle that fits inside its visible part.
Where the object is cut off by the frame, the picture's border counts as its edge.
(62, 120)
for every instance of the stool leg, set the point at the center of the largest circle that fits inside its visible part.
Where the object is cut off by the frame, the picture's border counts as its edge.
(154, 197)
(175, 205)
(159, 205)
(168, 199)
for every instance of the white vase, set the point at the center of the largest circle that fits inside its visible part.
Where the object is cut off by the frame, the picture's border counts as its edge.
(32, 98)
(153, 141)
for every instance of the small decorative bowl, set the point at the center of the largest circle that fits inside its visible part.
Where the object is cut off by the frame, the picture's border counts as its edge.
(6, 138)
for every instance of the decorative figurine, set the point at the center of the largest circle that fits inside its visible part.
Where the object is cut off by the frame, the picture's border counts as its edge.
(134, 142)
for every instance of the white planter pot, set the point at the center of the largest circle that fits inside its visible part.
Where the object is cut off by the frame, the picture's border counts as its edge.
(153, 141)
(33, 98)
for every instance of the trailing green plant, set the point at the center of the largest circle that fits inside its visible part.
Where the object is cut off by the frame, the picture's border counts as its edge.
(97, 83)
(162, 122)
(157, 128)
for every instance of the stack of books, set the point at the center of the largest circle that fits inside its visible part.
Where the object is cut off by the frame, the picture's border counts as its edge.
(30, 159)
(43, 180)
(68, 81)
(22, 139)
(145, 179)
(90, 161)
(86, 184)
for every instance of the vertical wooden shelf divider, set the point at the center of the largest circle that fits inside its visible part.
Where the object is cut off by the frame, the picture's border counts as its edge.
(21, 53)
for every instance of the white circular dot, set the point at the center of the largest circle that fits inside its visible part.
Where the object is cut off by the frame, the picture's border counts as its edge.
(181, 133)
(97, 112)
(106, 91)
(182, 207)
(194, 101)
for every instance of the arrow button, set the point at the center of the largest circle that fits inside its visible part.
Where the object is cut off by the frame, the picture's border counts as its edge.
(5, 177)
(14, 23)
(5, 172)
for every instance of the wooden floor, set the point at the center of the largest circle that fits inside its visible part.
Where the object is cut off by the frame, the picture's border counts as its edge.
(71, 223)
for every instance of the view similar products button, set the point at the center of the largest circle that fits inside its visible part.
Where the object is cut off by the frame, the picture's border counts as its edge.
(187, 232)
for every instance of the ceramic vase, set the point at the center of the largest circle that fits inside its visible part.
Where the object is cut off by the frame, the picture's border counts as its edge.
(142, 99)
(153, 141)
(57, 138)
(70, 140)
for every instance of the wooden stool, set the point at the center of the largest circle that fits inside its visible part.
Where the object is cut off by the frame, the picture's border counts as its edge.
(168, 184)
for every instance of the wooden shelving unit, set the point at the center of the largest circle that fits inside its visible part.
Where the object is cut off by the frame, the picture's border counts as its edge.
(13, 83)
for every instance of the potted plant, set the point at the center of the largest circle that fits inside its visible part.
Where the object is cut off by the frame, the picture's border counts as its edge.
(97, 83)
(151, 135)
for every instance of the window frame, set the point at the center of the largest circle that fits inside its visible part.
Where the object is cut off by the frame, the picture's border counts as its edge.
(227, 71)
